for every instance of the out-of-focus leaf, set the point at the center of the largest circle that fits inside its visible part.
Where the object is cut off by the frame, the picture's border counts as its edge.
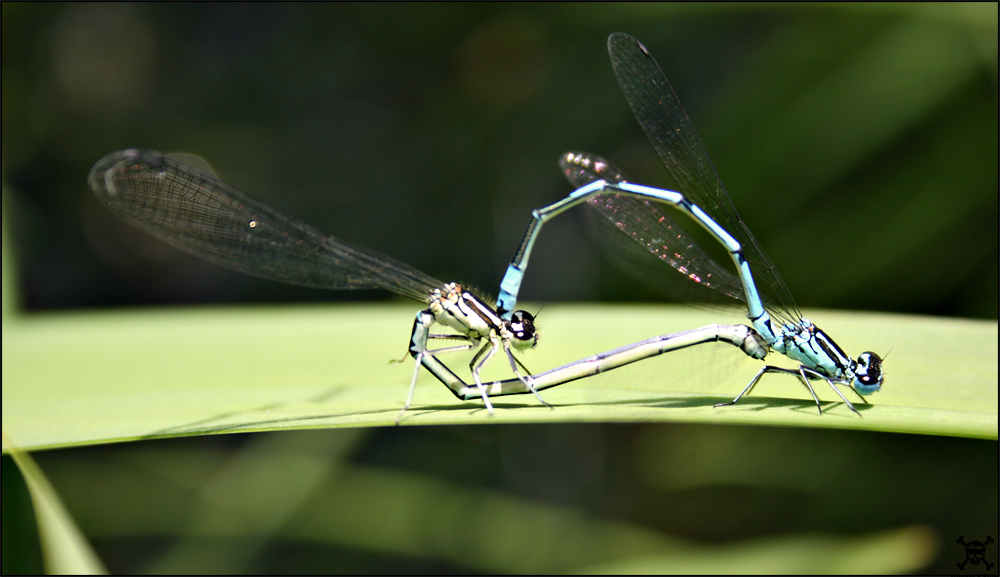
(64, 548)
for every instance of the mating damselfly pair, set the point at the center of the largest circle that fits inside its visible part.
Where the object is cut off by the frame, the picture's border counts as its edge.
(198, 213)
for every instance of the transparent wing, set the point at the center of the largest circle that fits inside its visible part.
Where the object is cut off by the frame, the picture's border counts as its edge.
(661, 116)
(643, 237)
(196, 212)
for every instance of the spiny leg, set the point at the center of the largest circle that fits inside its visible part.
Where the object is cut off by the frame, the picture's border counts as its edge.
(773, 369)
(518, 361)
(841, 395)
(413, 384)
(418, 349)
(454, 349)
(418, 358)
(859, 395)
(492, 347)
(480, 353)
(470, 342)
(746, 390)
(514, 362)
(805, 380)
(803, 370)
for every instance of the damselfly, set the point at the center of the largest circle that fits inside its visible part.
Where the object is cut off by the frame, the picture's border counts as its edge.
(634, 211)
(202, 215)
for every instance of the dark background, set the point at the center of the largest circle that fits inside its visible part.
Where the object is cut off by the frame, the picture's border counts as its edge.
(859, 143)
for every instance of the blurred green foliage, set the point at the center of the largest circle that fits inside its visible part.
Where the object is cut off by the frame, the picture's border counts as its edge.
(858, 141)
(531, 499)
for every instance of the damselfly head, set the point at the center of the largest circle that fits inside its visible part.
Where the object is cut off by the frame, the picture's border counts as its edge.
(867, 373)
(522, 328)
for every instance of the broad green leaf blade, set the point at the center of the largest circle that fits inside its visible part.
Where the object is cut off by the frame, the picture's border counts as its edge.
(65, 549)
(84, 378)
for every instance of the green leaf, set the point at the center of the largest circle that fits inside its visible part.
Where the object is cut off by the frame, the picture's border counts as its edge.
(97, 377)
(64, 547)
(224, 509)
